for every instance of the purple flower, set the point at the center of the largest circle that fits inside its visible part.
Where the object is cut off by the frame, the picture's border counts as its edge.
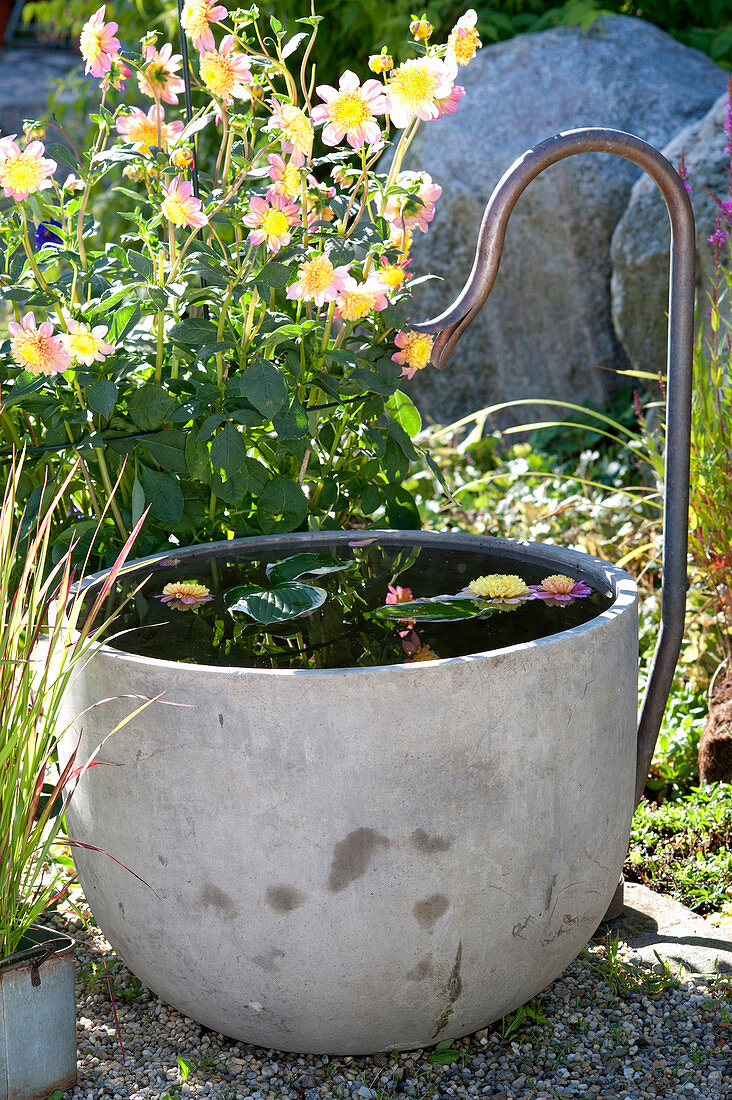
(46, 235)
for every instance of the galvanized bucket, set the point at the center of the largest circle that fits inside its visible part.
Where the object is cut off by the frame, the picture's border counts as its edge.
(38, 1017)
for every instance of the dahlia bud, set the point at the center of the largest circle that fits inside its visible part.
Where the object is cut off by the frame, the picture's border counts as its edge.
(381, 62)
(34, 131)
(421, 29)
(182, 157)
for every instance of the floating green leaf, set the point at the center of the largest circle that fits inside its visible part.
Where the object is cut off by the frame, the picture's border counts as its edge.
(438, 610)
(301, 565)
(279, 604)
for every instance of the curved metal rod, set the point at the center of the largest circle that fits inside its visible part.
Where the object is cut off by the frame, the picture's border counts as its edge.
(451, 324)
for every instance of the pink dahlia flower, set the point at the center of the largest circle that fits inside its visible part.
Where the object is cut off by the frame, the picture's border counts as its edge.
(181, 206)
(196, 19)
(559, 591)
(319, 281)
(159, 77)
(35, 348)
(416, 86)
(141, 130)
(98, 44)
(24, 171)
(417, 209)
(348, 111)
(415, 350)
(226, 72)
(185, 595)
(271, 220)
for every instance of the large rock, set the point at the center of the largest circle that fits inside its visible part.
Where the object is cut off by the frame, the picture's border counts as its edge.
(546, 330)
(641, 240)
(26, 77)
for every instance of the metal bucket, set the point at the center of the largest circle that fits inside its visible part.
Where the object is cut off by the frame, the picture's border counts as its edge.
(38, 1017)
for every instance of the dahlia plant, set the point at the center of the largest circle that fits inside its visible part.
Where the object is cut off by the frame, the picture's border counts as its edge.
(237, 353)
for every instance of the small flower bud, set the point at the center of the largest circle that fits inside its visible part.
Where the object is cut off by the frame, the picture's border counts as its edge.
(134, 172)
(381, 62)
(238, 122)
(421, 29)
(182, 157)
(149, 39)
(34, 131)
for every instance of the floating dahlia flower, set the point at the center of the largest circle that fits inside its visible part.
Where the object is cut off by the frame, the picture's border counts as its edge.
(286, 177)
(141, 130)
(98, 44)
(348, 111)
(559, 591)
(416, 650)
(415, 349)
(319, 282)
(225, 72)
(463, 40)
(35, 348)
(181, 205)
(414, 210)
(500, 588)
(271, 220)
(297, 131)
(185, 595)
(159, 76)
(86, 345)
(363, 299)
(414, 88)
(24, 171)
(396, 594)
(196, 19)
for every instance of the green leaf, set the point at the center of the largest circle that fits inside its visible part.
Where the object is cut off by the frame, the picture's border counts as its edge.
(193, 331)
(197, 459)
(441, 609)
(293, 43)
(102, 397)
(149, 406)
(138, 500)
(143, 265)
(163, 492)
(274, 274)
(401, 510)
(304, 565)
(282, 505)
(292, 423)
(227, 450)
(403, 410)
(264, 386)
(62, 154)
(275, 605)
(168, 450)
(234, 489)
(123, 321)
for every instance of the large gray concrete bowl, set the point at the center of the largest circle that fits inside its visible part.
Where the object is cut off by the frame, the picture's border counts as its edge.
(363, 859)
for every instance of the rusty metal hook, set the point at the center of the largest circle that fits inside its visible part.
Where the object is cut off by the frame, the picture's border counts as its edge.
(450, 325)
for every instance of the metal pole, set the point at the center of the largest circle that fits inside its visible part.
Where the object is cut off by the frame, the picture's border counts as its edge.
(451, 324)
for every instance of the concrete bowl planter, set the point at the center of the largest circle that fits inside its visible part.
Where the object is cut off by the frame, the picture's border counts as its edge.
(363, 859)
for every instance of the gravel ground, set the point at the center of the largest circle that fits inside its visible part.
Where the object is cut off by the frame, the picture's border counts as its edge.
(604, 1029)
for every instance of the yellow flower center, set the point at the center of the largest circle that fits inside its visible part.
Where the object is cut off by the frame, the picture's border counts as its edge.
(194, 18)
(393, 275)
(349, 109)
(413, 83)
(275, 222)
(82, 343)
(317, 274)
(417, 352)
(90, 42)
(558, 583)
(23, 174)
(297, 127)
(175, 210)
(464, 45)
(357, 304)
(499, 586)
(218, 74)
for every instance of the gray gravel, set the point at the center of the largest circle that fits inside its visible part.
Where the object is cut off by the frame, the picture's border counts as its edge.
(594, 1044)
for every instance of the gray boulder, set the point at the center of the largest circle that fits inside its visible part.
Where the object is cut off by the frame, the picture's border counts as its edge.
(641, 240)
(546, 330)
(26, 77)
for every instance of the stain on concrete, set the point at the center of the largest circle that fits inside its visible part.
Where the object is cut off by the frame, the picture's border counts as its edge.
(213, 898)
(121, 908)
(423, 842)
(266, 961)
(568, 922)
(550, 892)
(430, 909)
(422, 970)
(352, 856)
(453, 990)
(163, 860)
(283, 898)
(221, 720)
